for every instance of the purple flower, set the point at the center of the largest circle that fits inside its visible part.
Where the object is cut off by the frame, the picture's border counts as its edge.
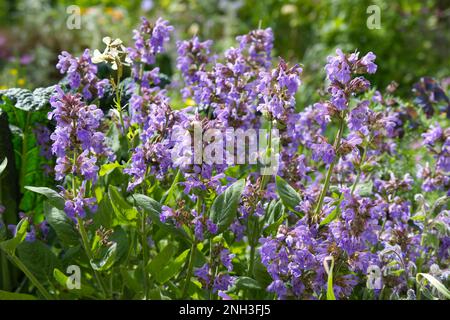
(82, 74)
(225, 258)
(367, 61)
(323, 151)
(358, 116)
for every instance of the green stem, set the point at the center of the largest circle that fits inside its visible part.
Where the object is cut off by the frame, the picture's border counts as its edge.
(144, 256)
(337, 142)
(190, 269)
(30, 276)
(87, 249)
(253, 220)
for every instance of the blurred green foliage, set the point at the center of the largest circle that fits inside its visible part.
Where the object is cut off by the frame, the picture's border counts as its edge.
(413, 39)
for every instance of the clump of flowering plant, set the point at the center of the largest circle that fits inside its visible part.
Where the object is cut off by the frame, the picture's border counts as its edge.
(157, 197)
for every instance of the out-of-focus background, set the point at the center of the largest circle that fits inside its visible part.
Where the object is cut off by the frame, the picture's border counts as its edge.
(412, 39)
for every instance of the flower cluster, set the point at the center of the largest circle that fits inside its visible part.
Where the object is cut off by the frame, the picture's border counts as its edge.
(82, 74)
(209, 275)
(78, 144)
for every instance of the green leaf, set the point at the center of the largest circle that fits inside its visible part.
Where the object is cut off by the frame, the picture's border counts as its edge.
(173, 268)
(329, 218)
(169, 194)
(5, 295)
(153, 208)
(330, 291)
(160, 261)
(288, 195)
(107, 259)
(224, 208)
(84, 291)
(435, 283)
(247, 283)
(38, 258)
(104, 215)
(260, 274)
(125, 212)
(108, 168)
(11, 245)
(53, 197)
(63, 226)
(274, 211)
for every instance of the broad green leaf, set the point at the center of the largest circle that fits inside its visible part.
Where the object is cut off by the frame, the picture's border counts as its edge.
(38, 258)
(125, 212)
(247, 283)
(53, 197)
(5, 295)
(173, 268)
(224, 208)
(63, 225)
(288, 195)
(161, 260)
(435, 283)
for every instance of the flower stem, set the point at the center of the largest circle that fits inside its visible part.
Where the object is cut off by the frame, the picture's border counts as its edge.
(337, 142)
(85, 242)
(190, 270)
(144, 255)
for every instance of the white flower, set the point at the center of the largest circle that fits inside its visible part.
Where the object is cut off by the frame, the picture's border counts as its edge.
(115, 53)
